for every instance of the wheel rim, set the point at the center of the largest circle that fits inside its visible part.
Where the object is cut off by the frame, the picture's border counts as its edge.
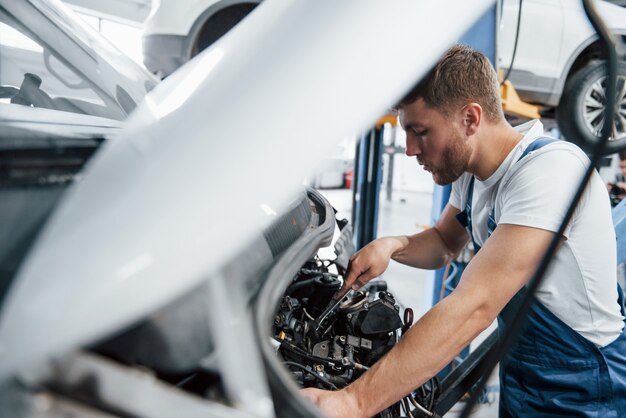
(595, 103)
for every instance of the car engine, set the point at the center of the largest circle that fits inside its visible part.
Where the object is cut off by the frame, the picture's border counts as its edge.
(331, 353)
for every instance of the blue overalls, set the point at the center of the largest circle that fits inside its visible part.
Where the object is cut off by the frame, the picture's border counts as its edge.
(553, 371)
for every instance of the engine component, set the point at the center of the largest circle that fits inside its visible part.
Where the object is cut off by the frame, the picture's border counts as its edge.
(333, 352)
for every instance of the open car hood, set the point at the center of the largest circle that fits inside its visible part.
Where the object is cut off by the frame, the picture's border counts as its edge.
(210, 158)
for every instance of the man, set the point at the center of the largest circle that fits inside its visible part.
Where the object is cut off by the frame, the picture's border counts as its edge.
(571, 360)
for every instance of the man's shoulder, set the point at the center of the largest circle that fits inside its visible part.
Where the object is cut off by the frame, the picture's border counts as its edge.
(553, 156)
(557, 165)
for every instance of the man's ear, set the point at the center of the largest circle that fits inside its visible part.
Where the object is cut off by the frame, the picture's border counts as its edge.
(472, 118)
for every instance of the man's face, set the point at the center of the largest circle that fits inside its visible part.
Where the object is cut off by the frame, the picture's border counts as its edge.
(436, 141)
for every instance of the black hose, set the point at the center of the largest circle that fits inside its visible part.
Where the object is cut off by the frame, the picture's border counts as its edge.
(434, 388)
(306, 355)
(511, 334)
(308, 282)
(312, 373)
(519, 24)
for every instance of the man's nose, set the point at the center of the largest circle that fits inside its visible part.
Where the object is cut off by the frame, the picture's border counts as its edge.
(412, 148)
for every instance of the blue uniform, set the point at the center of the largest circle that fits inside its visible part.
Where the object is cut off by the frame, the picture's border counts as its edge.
(553, 371)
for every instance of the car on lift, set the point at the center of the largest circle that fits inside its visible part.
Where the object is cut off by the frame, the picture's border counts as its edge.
(176, 31)
(555, 55)
(552, 55)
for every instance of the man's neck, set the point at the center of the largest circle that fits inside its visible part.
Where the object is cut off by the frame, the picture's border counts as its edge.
(491, 147)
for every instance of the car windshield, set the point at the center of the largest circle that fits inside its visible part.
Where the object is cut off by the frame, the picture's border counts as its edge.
(49, 58)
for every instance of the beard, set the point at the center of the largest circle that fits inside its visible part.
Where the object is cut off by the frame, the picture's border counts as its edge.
(454, 162)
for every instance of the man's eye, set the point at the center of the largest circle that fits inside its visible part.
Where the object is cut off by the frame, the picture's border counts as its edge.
(421, 133)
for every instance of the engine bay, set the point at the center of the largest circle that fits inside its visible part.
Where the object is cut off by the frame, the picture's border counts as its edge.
(333, 351)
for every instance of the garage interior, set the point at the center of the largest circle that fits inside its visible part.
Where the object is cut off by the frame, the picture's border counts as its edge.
(200, 347)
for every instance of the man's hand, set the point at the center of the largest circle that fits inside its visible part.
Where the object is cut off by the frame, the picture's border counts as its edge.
(370, 262)
(339, 404)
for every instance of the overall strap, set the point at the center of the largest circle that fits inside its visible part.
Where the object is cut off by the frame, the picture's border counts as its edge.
(536, 144)
(465, 217)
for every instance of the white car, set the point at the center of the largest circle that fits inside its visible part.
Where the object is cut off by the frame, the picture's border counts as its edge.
(559, 63)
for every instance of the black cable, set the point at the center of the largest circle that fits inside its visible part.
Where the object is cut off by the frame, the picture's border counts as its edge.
(434, 388)
(304, 354)
(519, 320)
(312, 373)
(519, 24)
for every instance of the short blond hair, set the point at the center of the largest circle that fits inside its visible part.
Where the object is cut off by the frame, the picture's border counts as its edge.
(463, 75)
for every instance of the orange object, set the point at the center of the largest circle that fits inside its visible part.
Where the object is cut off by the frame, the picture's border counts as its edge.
(391, 119)
(348, 179)
(511, 103)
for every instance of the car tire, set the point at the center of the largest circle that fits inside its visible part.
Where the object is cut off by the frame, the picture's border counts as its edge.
(219, 24)
(580, 112)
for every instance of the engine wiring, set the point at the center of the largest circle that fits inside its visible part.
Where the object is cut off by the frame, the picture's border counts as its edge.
(308, 315)
(303, 353)
(421, 410)
(326, 264)
(420, 407)
(410, 399)
(406, 408)
(312, 372)
(355, 334)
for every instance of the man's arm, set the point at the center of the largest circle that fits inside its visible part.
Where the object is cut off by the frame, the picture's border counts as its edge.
(430, 249)
(436, 246)
(492, 278)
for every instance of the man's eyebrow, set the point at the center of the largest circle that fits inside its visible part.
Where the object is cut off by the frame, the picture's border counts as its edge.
(413, 125)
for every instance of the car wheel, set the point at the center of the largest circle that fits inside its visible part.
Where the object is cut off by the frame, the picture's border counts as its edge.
(220, 23)
(580, 114)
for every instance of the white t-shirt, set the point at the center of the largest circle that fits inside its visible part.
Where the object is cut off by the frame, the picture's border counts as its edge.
(580, 284)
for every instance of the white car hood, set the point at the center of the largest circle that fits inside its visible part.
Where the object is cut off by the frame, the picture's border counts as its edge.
(208, 155)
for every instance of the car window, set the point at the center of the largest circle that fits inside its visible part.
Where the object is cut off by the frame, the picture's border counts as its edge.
(34, 74)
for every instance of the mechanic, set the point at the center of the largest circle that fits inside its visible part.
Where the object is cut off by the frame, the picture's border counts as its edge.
(511, 188)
